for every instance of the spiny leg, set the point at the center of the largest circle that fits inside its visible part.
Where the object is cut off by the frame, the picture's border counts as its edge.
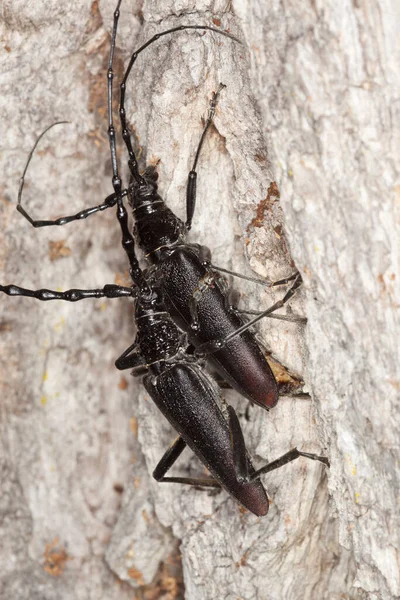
(212, 278)
(73, 295)
(290, 318)
(133, 164)
(192, 177)
(82, 214)
(264, 282)
(215, 345)
(169, 458)
(240, 453)
(233, 298)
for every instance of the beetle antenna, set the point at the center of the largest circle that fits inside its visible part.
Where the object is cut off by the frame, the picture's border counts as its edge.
(31, 153)
(133, 164)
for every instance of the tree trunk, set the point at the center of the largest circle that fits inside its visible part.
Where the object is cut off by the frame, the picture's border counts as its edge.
(301, 156)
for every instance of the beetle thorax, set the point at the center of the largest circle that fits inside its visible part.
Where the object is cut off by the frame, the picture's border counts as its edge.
(156, 226)
(158, 337)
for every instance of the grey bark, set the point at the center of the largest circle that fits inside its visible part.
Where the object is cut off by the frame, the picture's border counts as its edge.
(311, 104)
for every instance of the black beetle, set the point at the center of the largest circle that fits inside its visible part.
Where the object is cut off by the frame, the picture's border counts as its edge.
(196, 295)
(174, 377)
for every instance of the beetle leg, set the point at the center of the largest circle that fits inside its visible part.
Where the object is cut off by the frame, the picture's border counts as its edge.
(231, 295)
(285, 459)
(215, 345)
(131, 359)
(264, 282)
(224, 385)
(169, 458)
(206, 482)
(291, 318)
(234, 296)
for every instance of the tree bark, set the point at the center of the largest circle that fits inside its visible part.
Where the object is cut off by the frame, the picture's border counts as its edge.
(301, 157)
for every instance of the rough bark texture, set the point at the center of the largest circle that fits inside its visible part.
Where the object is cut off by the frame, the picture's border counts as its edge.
(310, 104)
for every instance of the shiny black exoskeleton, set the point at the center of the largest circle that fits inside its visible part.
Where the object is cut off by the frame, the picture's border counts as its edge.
(183, 271)
(189, 399)
(173, 376)
(175, 379)
(195, 293)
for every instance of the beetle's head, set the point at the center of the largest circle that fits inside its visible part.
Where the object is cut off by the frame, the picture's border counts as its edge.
(143, 192)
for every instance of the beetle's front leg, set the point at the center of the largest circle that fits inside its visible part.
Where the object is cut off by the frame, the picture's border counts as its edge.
(132, 359)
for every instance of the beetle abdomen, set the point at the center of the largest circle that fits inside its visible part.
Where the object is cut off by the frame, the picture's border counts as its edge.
(189, 400)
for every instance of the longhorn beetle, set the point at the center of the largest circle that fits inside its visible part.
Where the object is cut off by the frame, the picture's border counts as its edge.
(176, 381)
(194, 291)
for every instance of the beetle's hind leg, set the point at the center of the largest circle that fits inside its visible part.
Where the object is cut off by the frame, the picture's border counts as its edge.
(233, 296)
(285, 459)
(290, 318)
(264, 282)
(169, 458)
(240, 453)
